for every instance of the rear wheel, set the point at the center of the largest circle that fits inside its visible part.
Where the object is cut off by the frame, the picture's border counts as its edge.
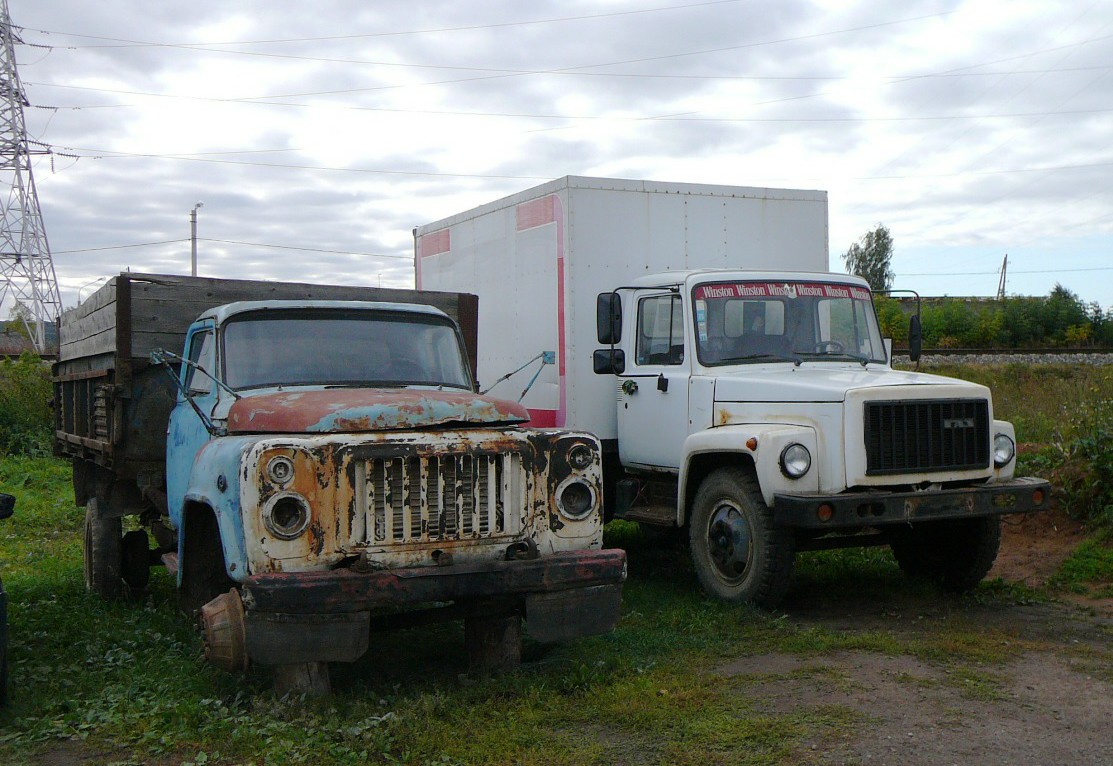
(102, 549)
(738, 553)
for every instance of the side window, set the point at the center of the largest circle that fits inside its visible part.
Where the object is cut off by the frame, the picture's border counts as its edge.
(660, 330)
(202, 352)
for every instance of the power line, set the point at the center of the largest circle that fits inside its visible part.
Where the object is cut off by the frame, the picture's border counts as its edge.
(306, 249)
(1015, 271)
(370, 35)
(120, 247)
(232, 242)
(87, 153)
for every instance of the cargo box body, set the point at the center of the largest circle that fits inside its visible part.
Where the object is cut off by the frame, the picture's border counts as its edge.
(539, 258)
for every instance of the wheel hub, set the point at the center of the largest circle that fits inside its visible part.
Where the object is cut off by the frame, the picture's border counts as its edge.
(729, 541)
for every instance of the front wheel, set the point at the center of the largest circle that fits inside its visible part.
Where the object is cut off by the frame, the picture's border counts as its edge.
(102, 549)
(738, 553)
(957, 554)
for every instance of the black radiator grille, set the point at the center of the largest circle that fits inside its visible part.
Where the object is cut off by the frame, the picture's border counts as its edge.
(926, 435)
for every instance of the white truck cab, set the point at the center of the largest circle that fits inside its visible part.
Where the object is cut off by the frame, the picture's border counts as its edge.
(759, 410)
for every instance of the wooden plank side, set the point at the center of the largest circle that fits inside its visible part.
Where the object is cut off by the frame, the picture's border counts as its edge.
(103, 342)
(76, 329)
(163, 306)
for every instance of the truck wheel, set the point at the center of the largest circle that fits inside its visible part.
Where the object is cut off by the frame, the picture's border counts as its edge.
(738, 553)
(957, 554)
(971, 552)
(136, 559)
(102, 552)
(203, 575)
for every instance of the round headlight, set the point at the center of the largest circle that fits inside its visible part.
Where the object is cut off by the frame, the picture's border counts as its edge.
(280, 469)
(575, 499)
(795, 461)
(579, 457)
(1003, 450)
(287, 516)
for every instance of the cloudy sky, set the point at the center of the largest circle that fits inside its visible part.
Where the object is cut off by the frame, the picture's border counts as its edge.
(318, 134)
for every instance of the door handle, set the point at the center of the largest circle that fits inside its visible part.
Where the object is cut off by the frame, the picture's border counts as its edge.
(629, 387)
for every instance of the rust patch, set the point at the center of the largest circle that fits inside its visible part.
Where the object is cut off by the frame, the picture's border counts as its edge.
(365, 409)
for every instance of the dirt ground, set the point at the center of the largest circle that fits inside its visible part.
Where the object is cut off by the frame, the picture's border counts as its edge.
(1050, 704)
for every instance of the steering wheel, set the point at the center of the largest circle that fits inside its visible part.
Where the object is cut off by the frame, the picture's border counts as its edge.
(834, 345)
(407, 369)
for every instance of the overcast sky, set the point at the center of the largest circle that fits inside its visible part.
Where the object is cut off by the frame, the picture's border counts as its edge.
(318, 134)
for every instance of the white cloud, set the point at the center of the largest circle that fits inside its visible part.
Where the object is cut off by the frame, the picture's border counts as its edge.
(934, 117)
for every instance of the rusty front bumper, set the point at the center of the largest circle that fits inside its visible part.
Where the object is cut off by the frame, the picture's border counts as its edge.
(325, 616)
(880, 508)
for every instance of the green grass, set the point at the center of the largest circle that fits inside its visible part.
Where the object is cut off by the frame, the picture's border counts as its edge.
(126, 682)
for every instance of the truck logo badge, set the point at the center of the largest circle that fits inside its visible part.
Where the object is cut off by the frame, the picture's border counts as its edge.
(958, 422)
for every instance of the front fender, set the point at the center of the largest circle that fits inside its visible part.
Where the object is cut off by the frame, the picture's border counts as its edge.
(215, 482)
(769, 441)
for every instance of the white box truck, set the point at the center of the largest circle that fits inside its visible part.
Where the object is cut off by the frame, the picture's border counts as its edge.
(740, 390)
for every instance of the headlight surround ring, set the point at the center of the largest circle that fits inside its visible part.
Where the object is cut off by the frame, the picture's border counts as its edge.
(287, 515)
(580, 457)
(795, 460)
(575, 498)
(1004, 450)
(280, 470)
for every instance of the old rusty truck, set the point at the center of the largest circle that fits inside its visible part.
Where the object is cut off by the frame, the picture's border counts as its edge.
(316, 463)
(741, 391)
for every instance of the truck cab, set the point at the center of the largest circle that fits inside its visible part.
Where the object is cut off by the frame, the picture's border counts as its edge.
(759, 409)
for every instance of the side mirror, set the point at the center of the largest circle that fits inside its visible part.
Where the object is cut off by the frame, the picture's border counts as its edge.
(7, 505)
(608, 318)
(915, 339)
(609, 361)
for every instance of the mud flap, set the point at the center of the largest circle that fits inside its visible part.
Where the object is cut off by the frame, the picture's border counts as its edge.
(568, 614)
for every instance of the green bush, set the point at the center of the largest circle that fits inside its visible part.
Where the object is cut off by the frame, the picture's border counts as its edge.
(1060, 319)
(25, 416)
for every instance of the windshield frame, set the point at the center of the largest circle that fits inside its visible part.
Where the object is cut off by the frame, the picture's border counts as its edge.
(750, 289)
(306, 313)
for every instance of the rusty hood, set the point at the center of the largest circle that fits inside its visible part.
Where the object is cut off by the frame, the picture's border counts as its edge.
(335, 410)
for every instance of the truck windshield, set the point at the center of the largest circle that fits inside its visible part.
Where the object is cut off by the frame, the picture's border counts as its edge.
(760, 321)
(341, 347)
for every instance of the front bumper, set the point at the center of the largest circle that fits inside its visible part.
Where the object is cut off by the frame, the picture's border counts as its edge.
(325, 616)
(880, 508)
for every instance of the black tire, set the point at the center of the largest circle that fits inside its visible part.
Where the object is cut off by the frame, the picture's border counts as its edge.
(102, 551)
(136, 559)
(956, 554)
(738, 553)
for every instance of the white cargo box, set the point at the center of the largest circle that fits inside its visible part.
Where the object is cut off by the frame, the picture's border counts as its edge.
(538, 259)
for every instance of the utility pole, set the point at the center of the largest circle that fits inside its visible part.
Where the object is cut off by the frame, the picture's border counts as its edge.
(193, 238)
(1001, 283)
(26, 268)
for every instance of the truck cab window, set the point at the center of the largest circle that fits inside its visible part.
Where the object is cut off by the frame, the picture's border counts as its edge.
(202, 353)
(660, 330)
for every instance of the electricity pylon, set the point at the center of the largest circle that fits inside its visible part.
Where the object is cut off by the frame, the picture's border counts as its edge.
(26, 268)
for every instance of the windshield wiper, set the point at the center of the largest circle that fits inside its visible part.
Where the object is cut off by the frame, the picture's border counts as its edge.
(861, 359)
(781, 357)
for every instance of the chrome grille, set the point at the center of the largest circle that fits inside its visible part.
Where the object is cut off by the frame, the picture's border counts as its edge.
(445, 497)
(926, 435)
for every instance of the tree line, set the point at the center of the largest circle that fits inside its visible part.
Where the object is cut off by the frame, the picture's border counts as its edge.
(1060, 319)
